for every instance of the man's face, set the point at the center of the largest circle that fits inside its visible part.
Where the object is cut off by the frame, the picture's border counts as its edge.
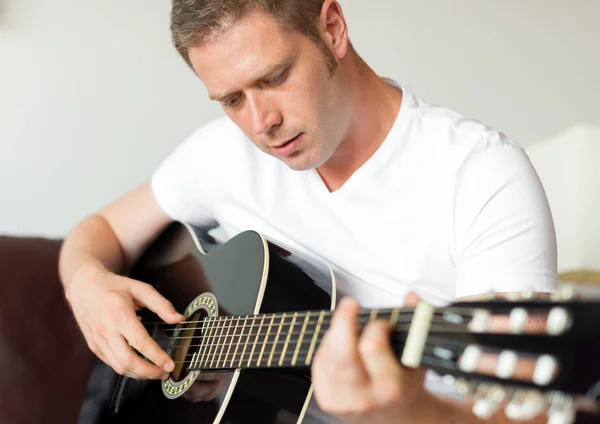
(276, 87)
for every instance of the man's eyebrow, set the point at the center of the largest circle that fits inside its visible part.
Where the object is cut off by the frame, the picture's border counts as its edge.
(262, 75)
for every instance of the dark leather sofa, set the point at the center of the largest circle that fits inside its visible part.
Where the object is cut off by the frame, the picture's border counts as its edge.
(44, 361)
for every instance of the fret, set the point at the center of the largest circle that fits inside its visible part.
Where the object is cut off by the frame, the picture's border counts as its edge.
(395, 316)
(299, 343)
(287, 339)
(194, 360)
(198, 354)
(250, 334)
(219, 345)
(276, 339)
(209, 344)
(239, 341)
(262, 349)
(229, 337)
(314, 338)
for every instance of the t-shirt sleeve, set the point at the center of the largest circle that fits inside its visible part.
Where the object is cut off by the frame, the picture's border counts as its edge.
(503, 230)
(182, 184)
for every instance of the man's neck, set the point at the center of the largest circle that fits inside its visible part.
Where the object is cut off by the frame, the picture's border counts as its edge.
(376, 106)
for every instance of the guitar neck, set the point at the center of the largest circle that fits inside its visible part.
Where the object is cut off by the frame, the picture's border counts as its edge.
(285, 340)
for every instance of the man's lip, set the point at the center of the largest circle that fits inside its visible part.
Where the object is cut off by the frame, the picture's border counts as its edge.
(286, 142)
(288, 147)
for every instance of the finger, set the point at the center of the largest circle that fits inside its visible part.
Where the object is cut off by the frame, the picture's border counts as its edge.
(411, 299)
(127, 362)
(135, 333)
(149, 297)
(341, 342)
(99, 346)
(376, 352)
(339, 377)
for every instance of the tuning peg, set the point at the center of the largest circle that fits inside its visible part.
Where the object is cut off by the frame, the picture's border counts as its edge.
(563, 294)
(449, 380)
(513, 296)
(469, 358)
(487, 400)
(479, 322)
(561, 409)
(463, 387)
(545, 370)
(490, 295)
(518, 320)
(559, 320)
(524, 405)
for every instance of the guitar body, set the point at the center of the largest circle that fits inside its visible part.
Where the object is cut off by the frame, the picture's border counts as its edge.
(248, 275)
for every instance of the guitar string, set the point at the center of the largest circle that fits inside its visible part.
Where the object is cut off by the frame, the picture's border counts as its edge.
(265, 323)
(245, 356)
(299, 318)
(208, 354)
(429, 347)
(402, 311)
(440, 329)
(283, 341)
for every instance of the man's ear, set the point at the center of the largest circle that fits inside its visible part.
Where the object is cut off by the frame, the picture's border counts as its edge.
(333, 28)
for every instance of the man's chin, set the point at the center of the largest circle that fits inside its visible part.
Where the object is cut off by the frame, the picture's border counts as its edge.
(298, 161)
(301, 165)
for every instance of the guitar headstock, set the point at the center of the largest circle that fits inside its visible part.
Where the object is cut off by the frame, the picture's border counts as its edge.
(523, 353)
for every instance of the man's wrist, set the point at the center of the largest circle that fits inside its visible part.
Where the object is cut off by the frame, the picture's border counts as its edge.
(91, 270)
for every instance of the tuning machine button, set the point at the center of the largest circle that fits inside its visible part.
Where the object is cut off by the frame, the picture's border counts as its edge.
(561, 409)
(524, 405)
(559, 321)
(479, 322)
(487, 400)
(518, 320)
(564, 294)
(469, 358)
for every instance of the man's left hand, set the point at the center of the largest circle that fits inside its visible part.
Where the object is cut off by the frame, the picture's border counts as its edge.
(357, 376)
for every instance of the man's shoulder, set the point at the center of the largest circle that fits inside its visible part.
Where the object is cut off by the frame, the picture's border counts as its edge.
(452, 143)
(444, 126)
(457, 127)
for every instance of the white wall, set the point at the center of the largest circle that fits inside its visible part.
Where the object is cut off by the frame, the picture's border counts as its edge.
(567, 164)
(92, 96)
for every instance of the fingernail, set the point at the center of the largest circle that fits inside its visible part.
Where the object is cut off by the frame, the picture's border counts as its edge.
(169, 366)
(164, 376)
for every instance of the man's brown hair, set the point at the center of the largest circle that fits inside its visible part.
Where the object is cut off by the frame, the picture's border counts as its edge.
(195, 22)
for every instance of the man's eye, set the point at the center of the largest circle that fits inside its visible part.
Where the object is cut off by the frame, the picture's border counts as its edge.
(277, 80)
(233, 102)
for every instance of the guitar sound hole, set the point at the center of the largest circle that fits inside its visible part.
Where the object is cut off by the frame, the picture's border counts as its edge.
(186, 344)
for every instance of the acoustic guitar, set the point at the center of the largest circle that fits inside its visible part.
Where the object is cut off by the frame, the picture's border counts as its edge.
(256, 312)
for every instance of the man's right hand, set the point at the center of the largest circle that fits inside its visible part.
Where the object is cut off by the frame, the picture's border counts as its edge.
(105, 306)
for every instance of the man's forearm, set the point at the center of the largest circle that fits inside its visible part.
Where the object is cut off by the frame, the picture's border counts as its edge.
(90, 247)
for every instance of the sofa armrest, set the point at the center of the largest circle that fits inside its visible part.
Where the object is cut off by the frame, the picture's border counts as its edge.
(44, 359)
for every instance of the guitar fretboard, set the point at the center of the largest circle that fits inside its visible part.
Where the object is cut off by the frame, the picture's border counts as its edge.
(275, 340)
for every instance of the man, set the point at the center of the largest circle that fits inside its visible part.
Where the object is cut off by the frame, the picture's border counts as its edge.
(319, 152)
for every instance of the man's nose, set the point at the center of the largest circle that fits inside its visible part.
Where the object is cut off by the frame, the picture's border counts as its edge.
(264, 114)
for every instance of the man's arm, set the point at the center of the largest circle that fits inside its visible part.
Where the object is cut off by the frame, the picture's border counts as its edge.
(94, 256)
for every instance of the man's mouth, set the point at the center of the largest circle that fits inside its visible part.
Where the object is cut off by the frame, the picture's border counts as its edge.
(288, 147)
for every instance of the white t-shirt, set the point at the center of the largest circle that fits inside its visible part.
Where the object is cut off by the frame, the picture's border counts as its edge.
(446, 207)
